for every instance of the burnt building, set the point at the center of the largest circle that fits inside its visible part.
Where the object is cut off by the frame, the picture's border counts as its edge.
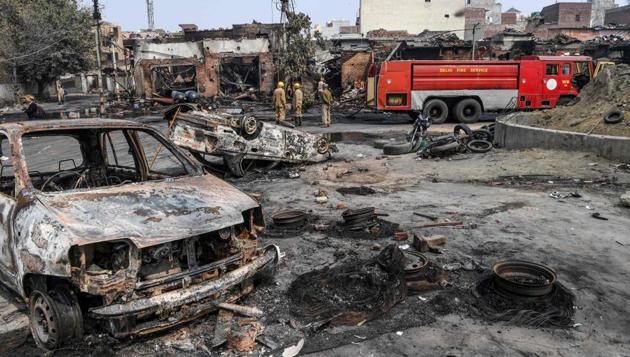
(567, 14)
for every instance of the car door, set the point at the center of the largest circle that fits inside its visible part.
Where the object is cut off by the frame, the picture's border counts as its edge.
(7, 208)
(551, 84)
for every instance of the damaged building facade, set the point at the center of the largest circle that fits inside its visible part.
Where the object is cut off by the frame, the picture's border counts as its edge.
(213, 63)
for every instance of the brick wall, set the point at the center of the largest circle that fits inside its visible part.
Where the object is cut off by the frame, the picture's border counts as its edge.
(620, 16)
(568, 14)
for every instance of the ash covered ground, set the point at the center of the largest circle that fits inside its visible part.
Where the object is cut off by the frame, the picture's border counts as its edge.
(503, 200)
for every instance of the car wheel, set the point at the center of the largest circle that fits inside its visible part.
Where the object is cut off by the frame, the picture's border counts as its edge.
(397, 149)
(55, 318)
(479, 146)
(436, 110)
(249, 125)
(614, 116)
(380, 143)
(468, 111)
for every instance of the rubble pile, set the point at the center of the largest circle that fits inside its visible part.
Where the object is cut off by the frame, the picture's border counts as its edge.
(609, 90)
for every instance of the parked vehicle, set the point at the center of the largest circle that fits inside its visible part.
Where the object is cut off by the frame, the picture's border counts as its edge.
(465, 89)
(107, 222)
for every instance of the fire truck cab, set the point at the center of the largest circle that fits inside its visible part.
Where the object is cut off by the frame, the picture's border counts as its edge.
(465, 89)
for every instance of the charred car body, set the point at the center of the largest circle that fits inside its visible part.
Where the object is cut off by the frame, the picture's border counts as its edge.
(242, 142)
(107, 221)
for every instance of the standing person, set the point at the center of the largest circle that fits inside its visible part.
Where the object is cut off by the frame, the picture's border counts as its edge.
(320, 87)
(33, 110)
(61, 94)
(298, 99)
(280, 103)
(327, 100)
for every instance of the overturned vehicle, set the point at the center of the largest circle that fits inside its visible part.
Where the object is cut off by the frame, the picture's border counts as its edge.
(106, 222)
(242, 142)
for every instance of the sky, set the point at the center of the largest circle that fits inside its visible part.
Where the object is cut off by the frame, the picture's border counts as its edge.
(207, 14)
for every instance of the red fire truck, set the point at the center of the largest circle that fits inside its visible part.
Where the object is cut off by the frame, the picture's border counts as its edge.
(465, 89)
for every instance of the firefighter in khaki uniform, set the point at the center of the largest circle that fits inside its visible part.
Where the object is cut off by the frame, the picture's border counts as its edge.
(327, 101)
(298, 99)
(280, 103)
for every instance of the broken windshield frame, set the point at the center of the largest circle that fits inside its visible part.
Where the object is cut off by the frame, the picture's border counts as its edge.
(85, 158)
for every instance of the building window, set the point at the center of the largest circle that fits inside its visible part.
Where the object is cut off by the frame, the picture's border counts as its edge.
(427, 0)
(468, 2)
(578, 18)
(447, 16)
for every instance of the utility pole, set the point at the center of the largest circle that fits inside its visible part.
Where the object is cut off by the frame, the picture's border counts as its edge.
(101, 95)
(115, 67)
(16, 96)
(474, 47)
(150, 15)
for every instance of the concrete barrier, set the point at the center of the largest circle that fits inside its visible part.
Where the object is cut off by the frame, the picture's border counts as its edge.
(513, 132)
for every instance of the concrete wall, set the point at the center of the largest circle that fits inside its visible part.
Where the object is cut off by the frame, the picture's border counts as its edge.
(620, 16)
(237, 47)
(598, 13)
(413, 16)
(147, 50)
(332, 28)
(512, 132)
(494, 9)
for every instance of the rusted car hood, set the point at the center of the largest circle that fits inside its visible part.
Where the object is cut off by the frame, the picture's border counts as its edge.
(149, 213)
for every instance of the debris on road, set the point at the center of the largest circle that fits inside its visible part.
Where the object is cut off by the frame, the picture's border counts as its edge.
(625, 199)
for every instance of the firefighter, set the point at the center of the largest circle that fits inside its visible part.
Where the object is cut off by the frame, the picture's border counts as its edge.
(32, 109)
(280, 103)
(327, 100)
(61, 94)
(320, 87)
(298, 99)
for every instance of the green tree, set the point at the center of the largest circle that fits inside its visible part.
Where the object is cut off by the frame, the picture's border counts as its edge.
(45, 39)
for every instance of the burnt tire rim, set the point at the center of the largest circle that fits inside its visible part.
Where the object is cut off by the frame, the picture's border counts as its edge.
(289, 218)
(524, 278)
(323, 146)
(415, 265)
(43, 320)
(250, 125)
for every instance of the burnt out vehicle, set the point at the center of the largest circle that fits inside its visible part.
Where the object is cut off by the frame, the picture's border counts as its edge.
(107, 224)
(242, 141)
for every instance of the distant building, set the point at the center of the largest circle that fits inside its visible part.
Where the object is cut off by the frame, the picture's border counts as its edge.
(493, 10)
(618, 16)
(333, 28)
(599, 8)
(413, 16)
(567, 14)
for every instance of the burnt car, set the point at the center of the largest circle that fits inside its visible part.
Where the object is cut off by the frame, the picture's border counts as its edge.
(108, 224)
(242, 141)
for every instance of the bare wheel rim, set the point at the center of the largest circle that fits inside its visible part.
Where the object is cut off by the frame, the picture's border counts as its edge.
(250, 126)
(43, 320)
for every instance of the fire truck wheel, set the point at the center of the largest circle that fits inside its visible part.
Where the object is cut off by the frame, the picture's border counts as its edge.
(436, 110)
(397, 149)
(614, 116)
(468, 111)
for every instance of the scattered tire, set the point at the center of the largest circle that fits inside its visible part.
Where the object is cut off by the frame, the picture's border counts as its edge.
(614, 116)
(468, 111)
(380, 143)
(436, 110)
(397, 149)
(459, 128)
(445, 149)
(479, 146)
(485, 135)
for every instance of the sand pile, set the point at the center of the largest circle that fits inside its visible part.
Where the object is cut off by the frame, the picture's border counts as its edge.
(609, 90)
